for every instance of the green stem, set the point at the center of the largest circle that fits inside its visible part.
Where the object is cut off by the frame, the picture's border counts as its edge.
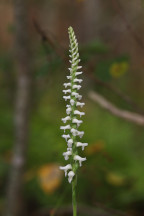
(74, 196)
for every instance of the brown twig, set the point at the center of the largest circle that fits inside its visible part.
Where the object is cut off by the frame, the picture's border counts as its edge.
(110, 210)
(42, 33)
(82, 209)
(47, 39)
(124, 114)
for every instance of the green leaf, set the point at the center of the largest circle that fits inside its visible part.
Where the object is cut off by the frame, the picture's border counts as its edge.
(102, 70)
(92, 48)
(47, 67)
(116, 67)
(96, 47)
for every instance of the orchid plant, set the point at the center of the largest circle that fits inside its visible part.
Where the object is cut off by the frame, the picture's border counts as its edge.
(71, 94)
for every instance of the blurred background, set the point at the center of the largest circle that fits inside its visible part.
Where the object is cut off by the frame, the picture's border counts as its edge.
(33, 67)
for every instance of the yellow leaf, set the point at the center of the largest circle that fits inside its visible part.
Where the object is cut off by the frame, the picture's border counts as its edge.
(118, 69)
(115, 179)
(95, 148)
(7, 156)
(50, 177)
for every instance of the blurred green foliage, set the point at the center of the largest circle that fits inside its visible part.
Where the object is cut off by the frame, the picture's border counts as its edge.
(93, 48)
(113, 173)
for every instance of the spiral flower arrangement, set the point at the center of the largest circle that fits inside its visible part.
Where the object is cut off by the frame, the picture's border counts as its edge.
(72, 119)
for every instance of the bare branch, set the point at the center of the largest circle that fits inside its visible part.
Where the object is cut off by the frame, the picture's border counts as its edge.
(111, 210)
(61, 51)
(115, 90)
(124, 114)
(45, 38)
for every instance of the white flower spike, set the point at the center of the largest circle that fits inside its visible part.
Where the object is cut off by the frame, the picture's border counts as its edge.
(72, 96)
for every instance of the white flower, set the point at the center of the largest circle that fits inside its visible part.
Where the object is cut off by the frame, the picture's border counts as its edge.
(67, 91)
(76, 112)
(78, 73)
(77, 95)
(77, 87)
(66, 136)
(70, 69)
(65, 127)
(69, 149)
(73, 54)
(77, 133)
(77, 55)
(75, 47)
(70, 142)
(74, 59)
(66, 119)
(67, 154)
(68, 110)
(79, 144)
(78, 122)
(66, 168)
(74, 64)
(74, 132)
(72, 102)
(79, 67)
(67, 84)
(66, 98)
(78, 80)
(70, 176)
(80, 104)
(80, 134)
(69, 77)
(80, 159)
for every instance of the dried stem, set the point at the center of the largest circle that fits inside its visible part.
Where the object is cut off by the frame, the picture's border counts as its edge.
(14, 200)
